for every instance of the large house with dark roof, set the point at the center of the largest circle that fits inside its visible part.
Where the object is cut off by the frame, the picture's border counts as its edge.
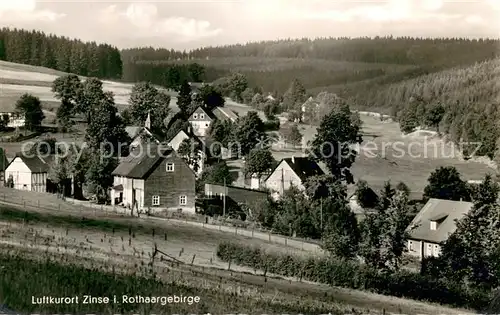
(290, 172)
(432, 226)
(28, 172)
(154, 178)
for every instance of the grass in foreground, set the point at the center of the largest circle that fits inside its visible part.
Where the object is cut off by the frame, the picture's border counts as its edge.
(22, 279)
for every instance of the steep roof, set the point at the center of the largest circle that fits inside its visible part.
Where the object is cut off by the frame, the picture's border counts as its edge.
(446, 211)
(35, 163)
(140, 163)
(133, 131)
(201, 110)
(222, 113)
(304, 167)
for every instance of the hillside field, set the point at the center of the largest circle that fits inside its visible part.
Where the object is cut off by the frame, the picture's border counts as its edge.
(190, 257)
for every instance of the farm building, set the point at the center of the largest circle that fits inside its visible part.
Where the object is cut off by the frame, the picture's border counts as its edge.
(432, 226)
(290, 172)
(222, 113)
(155, 178)
(28, 173)
(234, 196)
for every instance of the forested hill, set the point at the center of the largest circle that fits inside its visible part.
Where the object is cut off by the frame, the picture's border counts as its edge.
(60, 53)
(402, 50)
(320, 64)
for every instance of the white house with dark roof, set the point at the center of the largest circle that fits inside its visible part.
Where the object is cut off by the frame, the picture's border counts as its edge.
(290, 172)
(432, 226)
(29, 172)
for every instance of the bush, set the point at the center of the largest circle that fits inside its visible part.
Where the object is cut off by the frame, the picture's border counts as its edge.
(272, 125)
(352, 275)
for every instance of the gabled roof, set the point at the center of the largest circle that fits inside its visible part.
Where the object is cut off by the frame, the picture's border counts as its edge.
(446, 211)
(222, 113)
(133, 131)
(136, 131)
(35, 163)
(201, 110)
(139, 164)
(303, 167)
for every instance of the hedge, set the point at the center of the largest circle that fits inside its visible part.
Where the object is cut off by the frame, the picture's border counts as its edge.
(353, 275)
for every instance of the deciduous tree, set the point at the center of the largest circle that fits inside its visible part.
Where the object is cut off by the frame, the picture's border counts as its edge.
(446, 183)
(31, 107)
(333, 143)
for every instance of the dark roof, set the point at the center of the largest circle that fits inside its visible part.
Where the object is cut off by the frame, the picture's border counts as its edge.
(304, 167)
(118, 187)
(238, 194)
(140, 163)
(35, 163)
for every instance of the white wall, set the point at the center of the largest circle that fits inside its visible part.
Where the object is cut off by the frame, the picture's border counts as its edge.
(200, 127)
(20, 173)
(282, 179)
(129, 184)
(15, 120)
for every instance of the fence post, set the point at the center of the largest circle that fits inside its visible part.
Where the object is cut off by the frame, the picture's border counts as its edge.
(269, 236)
(253, 229)
(286, 243)
(192, 260)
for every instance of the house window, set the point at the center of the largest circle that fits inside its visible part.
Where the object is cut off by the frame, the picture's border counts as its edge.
(183, 200)
(206, 125)
(410, 246)
(170, 167)
(156, 200)
(433, 225)
(436, 250)
(195, 116)
(202, 116)
(429, 249)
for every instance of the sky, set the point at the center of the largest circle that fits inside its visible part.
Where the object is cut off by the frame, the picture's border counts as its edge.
(184, 24)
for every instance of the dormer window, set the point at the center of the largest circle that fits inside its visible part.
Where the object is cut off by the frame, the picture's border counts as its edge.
(195, 116)
(437, 220)
(170, 167)
(202, 116)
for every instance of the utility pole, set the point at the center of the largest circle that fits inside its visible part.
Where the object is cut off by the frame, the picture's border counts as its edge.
(321, 213)
(224, 200)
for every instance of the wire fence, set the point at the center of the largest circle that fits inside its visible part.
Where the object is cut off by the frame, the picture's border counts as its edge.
(49, 203)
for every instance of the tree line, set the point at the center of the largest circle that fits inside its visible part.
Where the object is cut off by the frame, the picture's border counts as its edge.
(60, 53)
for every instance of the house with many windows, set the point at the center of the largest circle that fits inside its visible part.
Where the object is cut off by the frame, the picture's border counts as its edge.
(432, 226)
(155, 179)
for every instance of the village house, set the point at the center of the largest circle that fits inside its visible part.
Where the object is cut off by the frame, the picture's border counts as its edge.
(225, 114)
(141, 134)
(156, 179)
(182, 135)
(28, 173)
(432, 226)
(290, 172)
(201, 120)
